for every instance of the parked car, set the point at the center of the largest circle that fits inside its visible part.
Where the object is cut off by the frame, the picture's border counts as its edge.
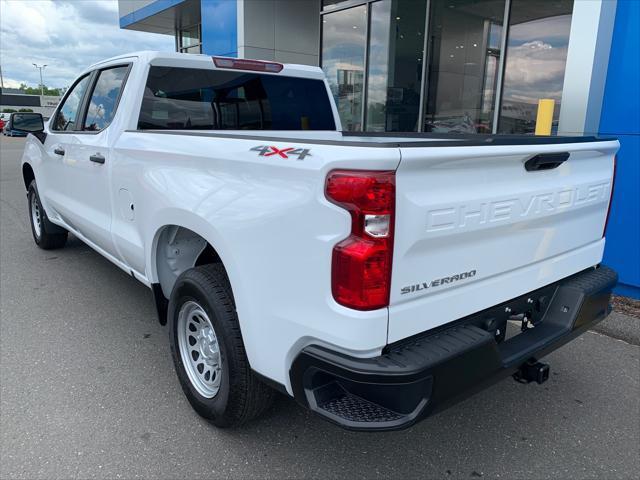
(4, 118)
(373, 277)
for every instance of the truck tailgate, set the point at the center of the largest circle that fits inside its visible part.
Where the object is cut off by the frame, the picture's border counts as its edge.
(475, 228)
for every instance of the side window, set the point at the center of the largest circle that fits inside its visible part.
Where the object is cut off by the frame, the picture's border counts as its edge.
(104, 98)
(66, 117)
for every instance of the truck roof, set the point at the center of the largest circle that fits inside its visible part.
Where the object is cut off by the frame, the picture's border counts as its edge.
(190, 60)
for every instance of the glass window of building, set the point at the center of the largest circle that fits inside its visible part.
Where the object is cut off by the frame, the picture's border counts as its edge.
(344, 36)
(189, 40)
(535, 61)
(464, 47)
(439, 65)
(396, 47)
(333, 4)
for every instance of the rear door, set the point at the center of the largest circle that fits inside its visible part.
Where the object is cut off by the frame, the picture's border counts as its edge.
(476, 226)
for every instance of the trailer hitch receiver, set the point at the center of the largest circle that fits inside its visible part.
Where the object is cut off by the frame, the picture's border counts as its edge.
(532, 371)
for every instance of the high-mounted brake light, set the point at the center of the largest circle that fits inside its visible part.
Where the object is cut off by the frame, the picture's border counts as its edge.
(244, 64)
(361, 263)
(613, 185)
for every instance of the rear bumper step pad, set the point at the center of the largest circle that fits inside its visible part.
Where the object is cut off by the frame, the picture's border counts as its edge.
(426, 373)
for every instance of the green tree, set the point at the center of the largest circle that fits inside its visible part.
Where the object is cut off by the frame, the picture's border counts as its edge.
(25, 110)
(36, 90)
(8, 110)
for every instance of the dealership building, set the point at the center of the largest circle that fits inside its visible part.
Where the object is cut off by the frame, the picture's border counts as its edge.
(457, 66)
(12, 99)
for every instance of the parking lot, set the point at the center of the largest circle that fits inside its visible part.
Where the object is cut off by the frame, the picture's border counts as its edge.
(88, 391)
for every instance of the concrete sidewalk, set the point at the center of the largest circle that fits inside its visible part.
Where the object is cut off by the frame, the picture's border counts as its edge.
(621, 326)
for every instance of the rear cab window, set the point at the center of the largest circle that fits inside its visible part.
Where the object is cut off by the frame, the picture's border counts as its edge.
(200, 99)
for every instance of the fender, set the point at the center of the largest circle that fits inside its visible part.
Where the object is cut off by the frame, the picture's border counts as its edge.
(199, 226)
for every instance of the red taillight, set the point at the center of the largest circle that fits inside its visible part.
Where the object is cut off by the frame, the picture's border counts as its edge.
(613, 184)
(361, 264)
(244, 64)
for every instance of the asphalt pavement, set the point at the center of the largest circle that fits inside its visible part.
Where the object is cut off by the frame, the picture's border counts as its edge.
(87, 390)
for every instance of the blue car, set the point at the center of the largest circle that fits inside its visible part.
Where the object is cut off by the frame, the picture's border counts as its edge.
(8, 129)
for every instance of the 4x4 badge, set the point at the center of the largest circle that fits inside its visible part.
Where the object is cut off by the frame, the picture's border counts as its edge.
(269, 151)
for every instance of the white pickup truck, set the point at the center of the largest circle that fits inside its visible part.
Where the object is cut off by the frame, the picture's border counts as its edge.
(376, 278)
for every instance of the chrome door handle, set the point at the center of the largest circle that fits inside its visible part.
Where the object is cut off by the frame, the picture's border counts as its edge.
(97, 158)
(58, 151)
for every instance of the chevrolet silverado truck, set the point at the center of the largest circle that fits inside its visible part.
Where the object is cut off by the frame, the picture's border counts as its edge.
(375, 278)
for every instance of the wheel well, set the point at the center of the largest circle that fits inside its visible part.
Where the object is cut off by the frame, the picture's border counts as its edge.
(27, 175)
(177, 250)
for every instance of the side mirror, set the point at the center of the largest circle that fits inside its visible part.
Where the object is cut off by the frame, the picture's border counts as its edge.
(28, 122)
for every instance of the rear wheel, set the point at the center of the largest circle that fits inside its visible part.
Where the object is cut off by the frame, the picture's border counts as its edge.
(46, 235)
(208, 351)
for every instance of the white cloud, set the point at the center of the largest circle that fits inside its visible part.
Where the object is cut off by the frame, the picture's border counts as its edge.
(10, 82)
(534, 70)
(534, 62)
(551, 29)
(67, 35)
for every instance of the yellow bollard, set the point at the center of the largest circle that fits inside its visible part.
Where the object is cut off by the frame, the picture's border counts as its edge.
(545, 116)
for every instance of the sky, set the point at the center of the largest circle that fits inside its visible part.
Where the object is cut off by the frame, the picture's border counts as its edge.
(67, 35)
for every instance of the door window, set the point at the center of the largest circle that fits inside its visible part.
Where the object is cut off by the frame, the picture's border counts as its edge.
(104, 98)
(67, 114)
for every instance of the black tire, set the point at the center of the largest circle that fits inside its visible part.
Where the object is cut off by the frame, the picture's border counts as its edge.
(241, 395)
(50, 236)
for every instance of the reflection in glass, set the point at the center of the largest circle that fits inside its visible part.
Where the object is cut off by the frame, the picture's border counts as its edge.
(190, 36)
(102, 106)
(536, 59)
(195, 99)
(343, 51)
(190, 41)
(66, 117)
(333, 4)
(464, 48)
(395, 65)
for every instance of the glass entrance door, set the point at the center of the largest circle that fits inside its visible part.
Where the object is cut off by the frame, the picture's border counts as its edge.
(394, 80)
(344, 39)
(536, 60)
(463, 55)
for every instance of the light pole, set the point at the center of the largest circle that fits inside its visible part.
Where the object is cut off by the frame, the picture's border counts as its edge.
(41, 82)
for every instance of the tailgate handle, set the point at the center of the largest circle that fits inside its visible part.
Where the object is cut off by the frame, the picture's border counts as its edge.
(545, 161)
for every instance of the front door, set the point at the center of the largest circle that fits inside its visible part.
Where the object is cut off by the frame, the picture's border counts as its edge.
(79, 171)
(52, 173)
